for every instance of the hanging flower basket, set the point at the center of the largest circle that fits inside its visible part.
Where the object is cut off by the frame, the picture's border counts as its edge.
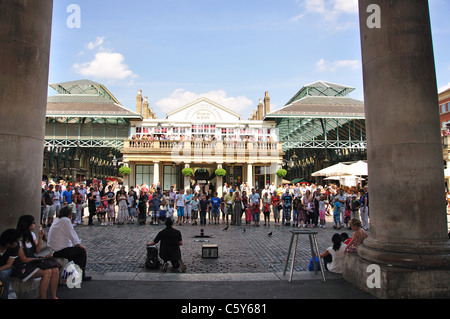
(281, 173)
(187, 171)
(124, 170)
(220, 172)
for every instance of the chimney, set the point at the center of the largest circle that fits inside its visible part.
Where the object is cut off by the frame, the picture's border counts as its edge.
(146, 109)
(260, 110)
(266, 104)
(139, 102)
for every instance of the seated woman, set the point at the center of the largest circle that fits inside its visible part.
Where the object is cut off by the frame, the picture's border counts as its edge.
(8, 254)
(358, 236)
(337, 254)
(27, 265)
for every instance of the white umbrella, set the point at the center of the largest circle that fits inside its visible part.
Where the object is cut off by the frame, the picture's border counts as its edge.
(359, 168)
(335, 170)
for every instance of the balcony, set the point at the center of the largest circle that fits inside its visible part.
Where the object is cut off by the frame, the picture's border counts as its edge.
(203, 151)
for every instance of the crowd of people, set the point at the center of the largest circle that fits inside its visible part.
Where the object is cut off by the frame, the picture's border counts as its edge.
(200, 137)
(297, 205)
(63, 208)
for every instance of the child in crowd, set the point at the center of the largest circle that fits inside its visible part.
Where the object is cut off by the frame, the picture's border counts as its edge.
(195, 203)
(101, 211)
(215, 203)
(248, 215)
(170, 210)
(111, 212)
(358, 236)
(322, 211)
(336, 215)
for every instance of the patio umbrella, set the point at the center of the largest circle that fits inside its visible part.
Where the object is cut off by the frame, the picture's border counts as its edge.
(359, 169)
(335, 170)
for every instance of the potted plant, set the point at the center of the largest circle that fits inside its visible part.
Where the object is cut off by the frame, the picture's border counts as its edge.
(187, 171)
(220, 172)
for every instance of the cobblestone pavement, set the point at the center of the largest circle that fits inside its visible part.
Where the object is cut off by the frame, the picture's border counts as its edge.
(242, 249)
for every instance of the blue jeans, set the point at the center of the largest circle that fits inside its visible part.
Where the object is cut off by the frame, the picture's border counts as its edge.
(4, 277)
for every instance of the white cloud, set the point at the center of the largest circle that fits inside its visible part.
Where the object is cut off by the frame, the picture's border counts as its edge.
(105, 65)
(97, 43)
(332, 66)
(444, 87)
(181, 97)
(330, 11)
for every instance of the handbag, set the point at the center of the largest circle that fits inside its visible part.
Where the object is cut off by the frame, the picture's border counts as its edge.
(46, 263)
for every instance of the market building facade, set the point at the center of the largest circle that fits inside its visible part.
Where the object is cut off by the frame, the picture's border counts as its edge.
(202, 136)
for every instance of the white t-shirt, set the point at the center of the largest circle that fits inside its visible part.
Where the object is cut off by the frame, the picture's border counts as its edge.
(338, 259)
(180, 200)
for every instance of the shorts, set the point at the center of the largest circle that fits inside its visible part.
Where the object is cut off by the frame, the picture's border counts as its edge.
(336, 218)
(155, 213)
(180, 211)
(46, 212)
(194, 214)
(215, 212)
(132, 211)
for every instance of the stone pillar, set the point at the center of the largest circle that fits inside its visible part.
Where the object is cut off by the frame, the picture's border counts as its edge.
(24, 65)
(250, 175)
(408, 235)
(156, 174)
(219, 182)
(187, 179)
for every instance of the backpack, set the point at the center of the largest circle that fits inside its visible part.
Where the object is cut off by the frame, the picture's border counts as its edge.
(152, 261)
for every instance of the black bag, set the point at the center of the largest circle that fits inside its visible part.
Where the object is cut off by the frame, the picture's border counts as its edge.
(152, 261)
(46, 263)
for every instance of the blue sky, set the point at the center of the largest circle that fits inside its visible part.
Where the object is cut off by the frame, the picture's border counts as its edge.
(229, 51)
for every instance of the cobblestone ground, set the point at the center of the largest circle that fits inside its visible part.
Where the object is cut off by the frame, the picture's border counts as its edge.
(122, 248)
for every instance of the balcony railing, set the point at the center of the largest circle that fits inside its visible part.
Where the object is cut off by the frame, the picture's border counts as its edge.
(165, 145)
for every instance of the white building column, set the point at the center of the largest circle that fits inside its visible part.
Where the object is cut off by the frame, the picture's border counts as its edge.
(156, 173)
(250, 175)
(187, 179)
(219, 181)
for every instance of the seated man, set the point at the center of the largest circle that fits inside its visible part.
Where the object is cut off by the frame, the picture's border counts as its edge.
(64, 241)
(169, 249)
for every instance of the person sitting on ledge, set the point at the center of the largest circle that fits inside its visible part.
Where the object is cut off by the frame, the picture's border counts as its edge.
(358, 236)
(65, 243)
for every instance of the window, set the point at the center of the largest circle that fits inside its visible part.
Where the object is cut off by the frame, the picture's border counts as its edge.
(144, 174)
(170, 176)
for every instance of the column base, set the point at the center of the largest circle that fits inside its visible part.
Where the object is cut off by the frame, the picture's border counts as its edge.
(391, 282)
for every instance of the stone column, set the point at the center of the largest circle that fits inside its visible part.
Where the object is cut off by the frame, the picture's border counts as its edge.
(250, 176)
(408, 235)
(24, 65)
(219, 182)
(156, 173)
